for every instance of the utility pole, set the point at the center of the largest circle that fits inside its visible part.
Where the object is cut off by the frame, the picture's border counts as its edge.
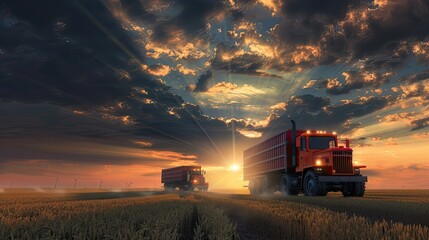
(101, 182)
(56, 181)
(75, 182)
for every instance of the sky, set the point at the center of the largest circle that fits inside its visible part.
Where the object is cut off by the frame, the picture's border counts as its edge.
(113, 91)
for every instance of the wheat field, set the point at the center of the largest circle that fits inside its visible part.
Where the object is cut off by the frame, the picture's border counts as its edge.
(158, 215)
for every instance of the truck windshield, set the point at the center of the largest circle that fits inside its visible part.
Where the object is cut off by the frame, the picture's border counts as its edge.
(196, 172)
(319, 142)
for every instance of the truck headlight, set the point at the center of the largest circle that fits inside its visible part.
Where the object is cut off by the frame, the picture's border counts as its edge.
(318, 162)
(195, 181)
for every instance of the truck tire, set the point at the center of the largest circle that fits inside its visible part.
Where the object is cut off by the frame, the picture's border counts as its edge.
(285, 186)
(312, 187)
(348, 190)
(359, 189)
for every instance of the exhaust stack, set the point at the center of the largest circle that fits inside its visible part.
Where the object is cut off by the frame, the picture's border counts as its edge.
(293, 143)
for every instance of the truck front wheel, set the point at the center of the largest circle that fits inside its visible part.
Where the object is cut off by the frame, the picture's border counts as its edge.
(312, 186)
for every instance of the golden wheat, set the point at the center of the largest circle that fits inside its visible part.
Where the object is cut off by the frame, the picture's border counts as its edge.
(289, 220)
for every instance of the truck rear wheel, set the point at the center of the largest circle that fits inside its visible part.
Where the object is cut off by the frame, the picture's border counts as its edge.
(312, 186)
(285, 186)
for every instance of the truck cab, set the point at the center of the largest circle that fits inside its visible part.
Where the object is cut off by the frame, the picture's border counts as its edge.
(330, 164)
(197, 180)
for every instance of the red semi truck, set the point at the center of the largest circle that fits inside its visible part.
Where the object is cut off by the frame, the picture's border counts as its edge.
(303, 160)
(186, 178)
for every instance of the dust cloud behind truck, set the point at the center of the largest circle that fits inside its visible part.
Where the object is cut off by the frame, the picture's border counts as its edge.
(185, 178)
(303, 160)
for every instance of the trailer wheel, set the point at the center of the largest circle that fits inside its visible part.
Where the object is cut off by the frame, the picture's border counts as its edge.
(285, 186)
(359, 189)
(312, 186)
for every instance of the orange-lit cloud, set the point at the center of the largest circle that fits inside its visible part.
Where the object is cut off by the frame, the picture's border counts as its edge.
(273, 5)
(421, 49)
(184, 70)
(157, 69)
(305, 53)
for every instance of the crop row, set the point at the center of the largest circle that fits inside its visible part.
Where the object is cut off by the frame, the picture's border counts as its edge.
(154, 217)
(289, 220)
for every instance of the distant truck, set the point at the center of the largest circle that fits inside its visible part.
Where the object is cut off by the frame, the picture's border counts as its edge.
(186, 178)
(303, 160)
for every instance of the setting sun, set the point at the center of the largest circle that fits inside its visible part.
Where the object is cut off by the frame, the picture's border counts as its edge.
(234, 167)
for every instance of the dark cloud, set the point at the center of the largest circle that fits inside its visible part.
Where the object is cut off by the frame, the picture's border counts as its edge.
(305, 21)
(352, 80)
(136, 10)
(70, 66)
(349, 31)
(358, 80)
(246, 63)
(235, 62)
(416, 77)
(388, 25)
(382, 62)
(332, 9)
(202, 84)
(192, 19)
(420, 124)
(311, 112)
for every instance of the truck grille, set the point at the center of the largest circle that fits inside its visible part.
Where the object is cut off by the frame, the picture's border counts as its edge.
(343, 163)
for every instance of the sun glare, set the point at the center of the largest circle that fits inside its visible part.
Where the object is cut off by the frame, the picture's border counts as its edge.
(235, 167)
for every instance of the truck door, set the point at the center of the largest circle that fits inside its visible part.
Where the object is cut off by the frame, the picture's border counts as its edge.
(304, 154)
